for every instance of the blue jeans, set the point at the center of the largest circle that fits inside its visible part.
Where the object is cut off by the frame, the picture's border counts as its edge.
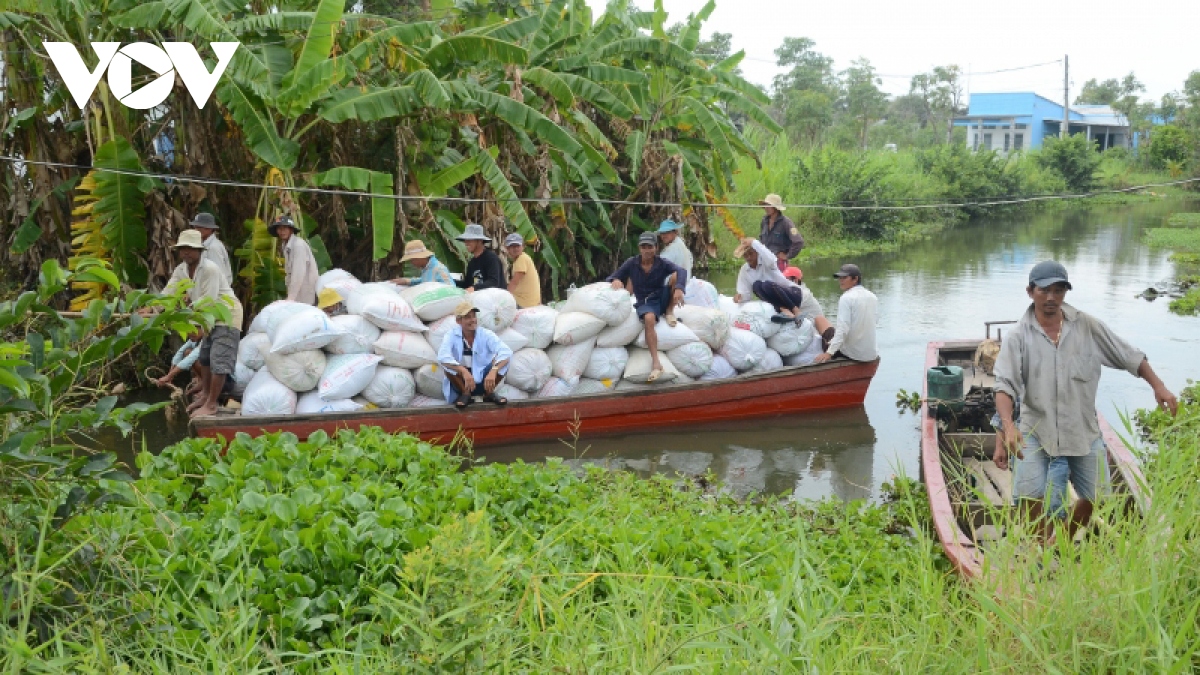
(1040, 476)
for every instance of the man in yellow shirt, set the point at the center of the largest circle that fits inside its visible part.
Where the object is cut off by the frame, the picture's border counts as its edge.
(524, 284)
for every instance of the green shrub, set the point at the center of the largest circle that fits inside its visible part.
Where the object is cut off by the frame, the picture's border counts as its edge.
(1184, 220)
(1170, 145)
(848, 178)
(1074, 158)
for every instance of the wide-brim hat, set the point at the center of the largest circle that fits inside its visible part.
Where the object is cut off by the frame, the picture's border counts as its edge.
(774, 201)
(668, 226)
(328, 297)
(415, 249)
(205, 220)
(744, 245)
(190, 239)
(282, 221)
(475, 232)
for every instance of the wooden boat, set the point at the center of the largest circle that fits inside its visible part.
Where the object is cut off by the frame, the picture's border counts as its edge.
(967, 492)
(833, 384)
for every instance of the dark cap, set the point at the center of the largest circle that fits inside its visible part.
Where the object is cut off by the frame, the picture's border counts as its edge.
(848, 270)
(281, 221)
(1048, 273)
(648, 238)
(204, 220)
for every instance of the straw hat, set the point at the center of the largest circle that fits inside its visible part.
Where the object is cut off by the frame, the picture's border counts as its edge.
(774, 201)
(190, 239)
(415, 249)
(743, 246)
(328, 298)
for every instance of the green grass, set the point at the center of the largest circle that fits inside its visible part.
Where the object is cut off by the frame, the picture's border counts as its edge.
(1180, 239)
(1184, 220)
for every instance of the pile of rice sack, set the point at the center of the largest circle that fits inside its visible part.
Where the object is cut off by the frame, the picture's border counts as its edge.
(383, 353)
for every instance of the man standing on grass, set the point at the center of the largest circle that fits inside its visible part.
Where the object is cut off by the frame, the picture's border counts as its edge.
(779, 233)
(657, 285)
(1051, 363)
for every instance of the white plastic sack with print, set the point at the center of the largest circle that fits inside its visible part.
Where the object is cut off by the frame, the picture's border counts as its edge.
(267, 396)
(390, 388)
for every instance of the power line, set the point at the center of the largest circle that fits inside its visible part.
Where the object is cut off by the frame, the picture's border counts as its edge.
(997, 201)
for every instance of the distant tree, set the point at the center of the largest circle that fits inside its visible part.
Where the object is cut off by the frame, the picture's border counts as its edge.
(1191, 97)
(806, 93)
(863, 101)
(1168, 107)
(1074, 158)
(1170, 145)
(807, 113)
(1099, 93)
(942, 92)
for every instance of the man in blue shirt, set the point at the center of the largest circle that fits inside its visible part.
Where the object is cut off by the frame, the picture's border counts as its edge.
(658, 287)
(475, 360)
(423, 259)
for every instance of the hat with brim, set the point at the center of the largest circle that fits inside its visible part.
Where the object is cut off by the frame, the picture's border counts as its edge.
(473, 232)
(648, 238)
(205, 221)
(328, 297)
(848, 270)
(415, 249)
(746, 244)
(1048, 273)
(465, 308)
(282, 221)
(514, 239)
(668, 226)
(190, 239)
(774, 201)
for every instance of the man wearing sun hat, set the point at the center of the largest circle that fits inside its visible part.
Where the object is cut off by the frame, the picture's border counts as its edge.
(214, 250)
(299, 265)
(525, 284)
(474, 359)
(673, 247)
(423, 259)
(218, 351)
(484, 270)
(778, 232)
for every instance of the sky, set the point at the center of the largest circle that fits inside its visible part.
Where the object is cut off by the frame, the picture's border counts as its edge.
(1159, 41)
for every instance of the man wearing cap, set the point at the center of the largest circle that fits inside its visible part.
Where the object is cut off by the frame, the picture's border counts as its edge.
(779, 233)
(423, 259)
(484, 270)
(330, 302)
(218, 350)
(760, 277)
(299, 265)
(475, 359)
(673, 247)
(214, 250)
(854, 336)
(657, 286)
(525, 284)
(1051, 362)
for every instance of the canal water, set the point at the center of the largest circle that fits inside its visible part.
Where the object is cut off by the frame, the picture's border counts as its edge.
(944, 288)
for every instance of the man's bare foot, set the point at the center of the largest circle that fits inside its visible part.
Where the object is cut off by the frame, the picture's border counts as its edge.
(205, 410)
(195, 405)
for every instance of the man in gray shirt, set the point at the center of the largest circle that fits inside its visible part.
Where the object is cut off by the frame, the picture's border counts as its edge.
(1051, 363)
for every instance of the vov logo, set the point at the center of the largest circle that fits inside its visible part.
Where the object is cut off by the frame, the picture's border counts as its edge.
(118, 61)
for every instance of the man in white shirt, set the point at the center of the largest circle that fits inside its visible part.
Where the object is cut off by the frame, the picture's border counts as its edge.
(854, 337)
(760, 277)
(299, 265)
(214, 250)
(674, 250)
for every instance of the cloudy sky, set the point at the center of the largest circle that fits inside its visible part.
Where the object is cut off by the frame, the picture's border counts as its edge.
(1158, 40)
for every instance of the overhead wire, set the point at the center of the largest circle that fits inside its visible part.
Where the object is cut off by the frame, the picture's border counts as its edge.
(199, 180)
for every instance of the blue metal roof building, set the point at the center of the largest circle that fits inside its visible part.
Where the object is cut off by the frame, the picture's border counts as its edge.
(1011, 122)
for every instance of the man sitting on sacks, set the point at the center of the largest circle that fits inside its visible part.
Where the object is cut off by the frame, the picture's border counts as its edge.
(760, 277)
(658, 287)
(474, 359)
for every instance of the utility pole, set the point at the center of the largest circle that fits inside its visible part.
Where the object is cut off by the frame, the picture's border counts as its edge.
(1066, 96)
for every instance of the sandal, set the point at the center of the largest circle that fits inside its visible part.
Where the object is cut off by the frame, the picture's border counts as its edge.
(671, 320)
(654, 375)
(493, 398)
(783, 318)
(463, 401)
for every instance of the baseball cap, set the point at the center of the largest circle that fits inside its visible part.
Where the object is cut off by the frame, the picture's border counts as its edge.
(848, 270)
(1048, 273)
(793, 273)
(514, 239)
(464, 308)
(647, 238)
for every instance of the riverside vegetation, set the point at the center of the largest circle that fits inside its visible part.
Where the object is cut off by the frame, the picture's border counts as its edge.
(1182, 236)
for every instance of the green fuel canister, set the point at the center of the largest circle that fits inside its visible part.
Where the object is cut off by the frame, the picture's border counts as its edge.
(945, 388)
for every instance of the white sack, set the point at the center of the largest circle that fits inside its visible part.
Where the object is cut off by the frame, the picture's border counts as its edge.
(744, 350)
(755, 316)
(805, 358)
(639, 365)
(727, 305)
(567, 362)
(606, 363)
(404, 350)
(241, 378)
(600, 300)
(668, 338)
(346, 375)
(515, 341)
(267, 396)
(719, 370)
(710, 325)
(510, 392)
(792, 338)
(339, 280)
(575, 327)
(390, 388)
(693, 359)
(771, 361)
(537, 325)
(300, 371)
(426, 402)
(253, 350)
(622, 335)
(429, 380)
(359, 336)
(438, 331)
(308, 329)
(590, 386)
(432, 300)
(274, 314)
(554, 388)
(384, 307)
(528, 370)
(700, 293)
(312, 403)
(497, 308)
